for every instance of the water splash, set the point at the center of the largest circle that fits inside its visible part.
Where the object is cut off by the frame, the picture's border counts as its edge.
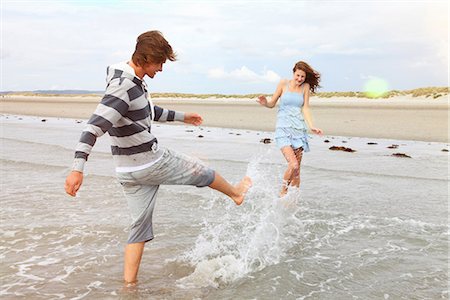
(246, 241)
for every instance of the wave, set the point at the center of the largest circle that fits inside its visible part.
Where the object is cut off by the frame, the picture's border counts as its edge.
(268, 231)
(10, 165)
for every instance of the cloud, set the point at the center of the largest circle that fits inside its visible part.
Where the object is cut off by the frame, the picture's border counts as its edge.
(70, 43)
(345, 50)
(291, 52)
(244, 74)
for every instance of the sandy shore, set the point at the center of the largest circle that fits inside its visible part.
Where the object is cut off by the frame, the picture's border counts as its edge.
(403, 118)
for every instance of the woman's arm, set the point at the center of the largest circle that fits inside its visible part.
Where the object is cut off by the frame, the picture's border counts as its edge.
(270, 104)
(307, 113)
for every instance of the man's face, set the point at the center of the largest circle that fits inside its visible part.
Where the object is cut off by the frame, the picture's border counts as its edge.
(150, 69)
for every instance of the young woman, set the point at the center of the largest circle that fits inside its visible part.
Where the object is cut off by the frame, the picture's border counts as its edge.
(294, 119)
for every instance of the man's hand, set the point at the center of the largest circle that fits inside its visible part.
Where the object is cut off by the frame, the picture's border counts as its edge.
(73, 183)
(193, 118)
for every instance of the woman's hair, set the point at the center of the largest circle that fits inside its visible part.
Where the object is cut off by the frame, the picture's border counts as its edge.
(152, 47)
(312, 76)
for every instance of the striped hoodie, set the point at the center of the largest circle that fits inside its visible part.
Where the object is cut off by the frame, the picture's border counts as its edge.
(126, 113)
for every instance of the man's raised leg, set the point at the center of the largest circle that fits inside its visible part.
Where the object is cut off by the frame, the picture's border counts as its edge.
(237, 193)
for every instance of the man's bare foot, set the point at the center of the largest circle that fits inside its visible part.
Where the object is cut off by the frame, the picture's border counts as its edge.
(242, 188)
(129, 286)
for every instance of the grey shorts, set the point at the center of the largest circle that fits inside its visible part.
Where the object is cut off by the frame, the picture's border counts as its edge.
(140, 188)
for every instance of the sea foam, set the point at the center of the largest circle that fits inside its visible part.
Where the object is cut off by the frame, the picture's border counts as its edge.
(245, 239)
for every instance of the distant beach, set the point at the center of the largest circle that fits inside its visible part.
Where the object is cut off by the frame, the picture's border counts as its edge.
(399, 117)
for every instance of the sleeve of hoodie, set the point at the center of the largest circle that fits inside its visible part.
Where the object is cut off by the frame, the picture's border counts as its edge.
(114, 105)
(166, 115)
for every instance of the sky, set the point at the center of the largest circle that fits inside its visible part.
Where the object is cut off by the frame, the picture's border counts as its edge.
(227, 47)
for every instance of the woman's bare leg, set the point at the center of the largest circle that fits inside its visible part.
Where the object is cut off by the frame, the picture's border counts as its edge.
(296, 179)
(237, 192)
(292, 169)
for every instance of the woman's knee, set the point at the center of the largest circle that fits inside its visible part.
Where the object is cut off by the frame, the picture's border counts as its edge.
(294, 166)
(298, 153)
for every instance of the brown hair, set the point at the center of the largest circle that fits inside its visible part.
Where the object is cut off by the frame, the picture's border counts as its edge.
(152, 47)
(312, 76)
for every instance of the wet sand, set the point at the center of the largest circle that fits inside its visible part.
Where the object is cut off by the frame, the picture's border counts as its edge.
(404, 118)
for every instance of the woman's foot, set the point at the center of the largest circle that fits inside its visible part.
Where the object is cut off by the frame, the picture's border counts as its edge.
(241, 189)
(284, 188)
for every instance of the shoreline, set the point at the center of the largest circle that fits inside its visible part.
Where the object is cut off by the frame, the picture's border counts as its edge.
(403, 118)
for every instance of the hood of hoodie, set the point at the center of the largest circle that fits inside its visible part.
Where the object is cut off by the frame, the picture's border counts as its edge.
(122, 69)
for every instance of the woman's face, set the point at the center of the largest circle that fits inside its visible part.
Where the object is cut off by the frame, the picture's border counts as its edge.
(299, 77)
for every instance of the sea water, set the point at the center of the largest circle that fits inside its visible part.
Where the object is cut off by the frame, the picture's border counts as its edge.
(364, 225)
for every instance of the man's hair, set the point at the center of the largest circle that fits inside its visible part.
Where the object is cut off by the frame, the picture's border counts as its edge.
(152, 47)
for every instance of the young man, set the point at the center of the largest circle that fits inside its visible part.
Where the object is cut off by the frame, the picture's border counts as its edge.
(126, 113)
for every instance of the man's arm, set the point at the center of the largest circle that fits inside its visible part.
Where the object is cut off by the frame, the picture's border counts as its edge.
(114, 105)
(166, 115)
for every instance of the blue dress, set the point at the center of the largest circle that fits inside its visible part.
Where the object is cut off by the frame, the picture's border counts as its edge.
(291, 129)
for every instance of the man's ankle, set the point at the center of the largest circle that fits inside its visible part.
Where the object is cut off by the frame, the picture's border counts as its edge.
(130, 283)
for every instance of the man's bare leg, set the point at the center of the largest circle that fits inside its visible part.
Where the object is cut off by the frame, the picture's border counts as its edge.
(133, 252)
(132, 260)
(237, 193)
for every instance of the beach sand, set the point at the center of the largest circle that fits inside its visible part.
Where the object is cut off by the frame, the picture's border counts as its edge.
(404, 118)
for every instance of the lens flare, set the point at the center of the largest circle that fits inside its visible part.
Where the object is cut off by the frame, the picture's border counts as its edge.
(375, 88)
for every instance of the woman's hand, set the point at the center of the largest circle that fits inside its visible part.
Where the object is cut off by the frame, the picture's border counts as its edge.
(317, 131)
(262, 100)
(193, 118)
